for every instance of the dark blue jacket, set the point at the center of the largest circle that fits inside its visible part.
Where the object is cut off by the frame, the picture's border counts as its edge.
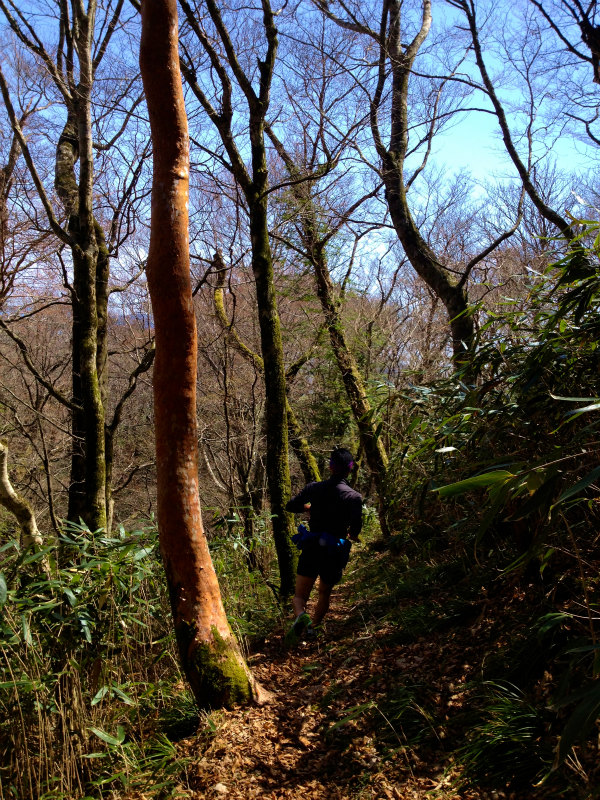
(335, 507)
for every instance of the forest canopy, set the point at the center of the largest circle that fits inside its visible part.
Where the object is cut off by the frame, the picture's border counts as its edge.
(393, 245)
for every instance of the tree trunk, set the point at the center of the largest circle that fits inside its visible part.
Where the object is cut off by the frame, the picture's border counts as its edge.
(17, 505)
(70, 65)
(301, 448)
(393, 163)
(102, 294)
(356, 393)
(87, 488)
(297, 440)
(450, 291)
(210, 657)
(278, 471)
(372, 445)
(254, 184)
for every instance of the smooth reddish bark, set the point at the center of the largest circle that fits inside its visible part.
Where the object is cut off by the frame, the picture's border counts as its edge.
(209, 653)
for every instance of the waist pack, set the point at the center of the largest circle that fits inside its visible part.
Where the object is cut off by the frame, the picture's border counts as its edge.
(335, 546)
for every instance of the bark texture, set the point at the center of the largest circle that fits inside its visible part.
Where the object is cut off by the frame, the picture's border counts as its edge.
(210, 657)
(255, 185)
(393, 160)
(83, 37)
(315, 248)
(87, 490)
(7, 274)
(17, 505)
(356, 392)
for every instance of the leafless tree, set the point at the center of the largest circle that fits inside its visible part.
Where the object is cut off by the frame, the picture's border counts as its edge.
(219, 65)
(403, 140)
(89, 229)
(562, 16)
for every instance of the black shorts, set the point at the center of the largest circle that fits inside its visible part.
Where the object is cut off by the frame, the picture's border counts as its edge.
(317, 561)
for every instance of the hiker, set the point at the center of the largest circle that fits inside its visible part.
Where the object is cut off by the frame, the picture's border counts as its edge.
(335, 514)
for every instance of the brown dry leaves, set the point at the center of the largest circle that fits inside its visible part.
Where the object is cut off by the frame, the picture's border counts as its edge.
(325, 733)
(317, 737)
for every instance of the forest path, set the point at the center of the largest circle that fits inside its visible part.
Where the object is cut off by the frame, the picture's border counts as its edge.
(316, 737)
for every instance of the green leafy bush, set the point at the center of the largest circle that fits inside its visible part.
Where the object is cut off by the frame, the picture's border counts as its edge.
(498, 466)
(87, 663)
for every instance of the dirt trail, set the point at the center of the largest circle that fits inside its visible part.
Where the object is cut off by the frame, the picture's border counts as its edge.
(309, 741)
(374, 710)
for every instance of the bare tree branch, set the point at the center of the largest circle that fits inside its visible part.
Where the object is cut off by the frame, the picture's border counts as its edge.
(34, 371)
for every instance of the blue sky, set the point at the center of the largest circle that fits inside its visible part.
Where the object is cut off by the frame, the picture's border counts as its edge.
(474, 144)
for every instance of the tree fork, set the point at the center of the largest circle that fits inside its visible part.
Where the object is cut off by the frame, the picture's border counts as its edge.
(255, 188)
(278, 472)
(17, 505)
(356, 392)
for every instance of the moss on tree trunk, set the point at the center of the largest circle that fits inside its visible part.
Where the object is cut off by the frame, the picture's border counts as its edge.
(87, 489)
(278, 473)
(401, 56)
(297, 441)
(254, 184)
(372, 445)
(314, 245)
(449, 290)
(209, 654)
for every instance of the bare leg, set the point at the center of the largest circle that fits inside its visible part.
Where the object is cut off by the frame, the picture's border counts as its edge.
(304, 585)
(322, 606)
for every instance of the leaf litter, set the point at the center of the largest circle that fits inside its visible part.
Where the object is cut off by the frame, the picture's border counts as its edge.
(363, 713)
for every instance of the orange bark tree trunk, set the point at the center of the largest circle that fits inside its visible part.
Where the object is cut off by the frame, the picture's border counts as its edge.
(209, 654)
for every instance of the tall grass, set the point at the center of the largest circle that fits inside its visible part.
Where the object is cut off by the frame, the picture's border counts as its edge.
(91, 696)
(86, 656)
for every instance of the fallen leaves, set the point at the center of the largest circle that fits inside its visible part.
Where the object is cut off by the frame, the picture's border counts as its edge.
(362, 714)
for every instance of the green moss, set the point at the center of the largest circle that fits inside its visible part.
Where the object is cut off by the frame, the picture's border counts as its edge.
(217, 674)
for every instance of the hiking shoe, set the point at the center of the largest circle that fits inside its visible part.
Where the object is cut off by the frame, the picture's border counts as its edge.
(313, 632)
(296, 630)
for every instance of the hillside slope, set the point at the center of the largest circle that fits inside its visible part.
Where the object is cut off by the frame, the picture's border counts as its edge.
(412, 692)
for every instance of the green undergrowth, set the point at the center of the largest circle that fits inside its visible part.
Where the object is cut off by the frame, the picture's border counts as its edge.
(92, 700)
(471, 640)
(88, 668)
(248, 577)
(478, 669)
(489, 586)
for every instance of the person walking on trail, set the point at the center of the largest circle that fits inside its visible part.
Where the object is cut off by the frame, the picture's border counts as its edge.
(335, 520)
